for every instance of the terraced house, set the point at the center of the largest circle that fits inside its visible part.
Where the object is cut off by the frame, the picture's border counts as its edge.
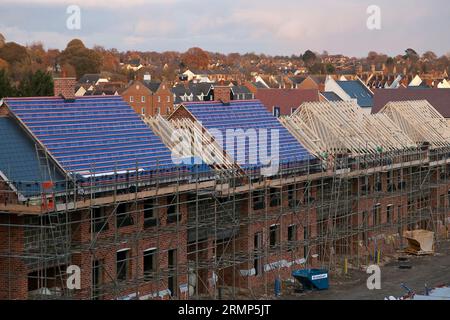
(149, 98)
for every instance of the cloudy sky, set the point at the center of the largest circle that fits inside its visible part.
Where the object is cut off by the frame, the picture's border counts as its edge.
(263, 26)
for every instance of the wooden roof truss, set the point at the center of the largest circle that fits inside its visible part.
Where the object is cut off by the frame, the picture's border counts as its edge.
(343, 128)
(420, 121)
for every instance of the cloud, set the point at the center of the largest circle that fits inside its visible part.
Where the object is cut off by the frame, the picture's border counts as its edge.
(273, 27)
(105, 4)
(48, 38)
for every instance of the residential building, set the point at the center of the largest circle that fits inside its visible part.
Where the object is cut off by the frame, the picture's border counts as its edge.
(282, 102)
(85, 182)
(349, 90)
(92, 79)
(241, 92)
(186, 92)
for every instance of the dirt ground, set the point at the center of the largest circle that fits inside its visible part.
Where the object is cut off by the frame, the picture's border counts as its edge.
(430, 270)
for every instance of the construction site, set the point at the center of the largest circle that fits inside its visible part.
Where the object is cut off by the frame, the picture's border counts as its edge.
(86, 182)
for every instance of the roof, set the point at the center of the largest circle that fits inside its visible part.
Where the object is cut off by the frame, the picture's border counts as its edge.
(99, 135)
(298, 79)
(240, 90)
(319, 78)
(134, 62)
(259, 85)
(331, 96)
(248, 115)
(438, 98)
(19, 162)
(420, 121)
(357, 90)
(286, 99)
(344, 128)
(89, 78)
(196, 89)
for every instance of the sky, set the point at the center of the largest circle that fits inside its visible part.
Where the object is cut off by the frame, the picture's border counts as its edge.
(275, 27)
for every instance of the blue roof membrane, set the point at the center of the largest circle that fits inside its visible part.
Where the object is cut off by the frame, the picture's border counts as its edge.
(19, 162)
(99, 135)
(254, 121)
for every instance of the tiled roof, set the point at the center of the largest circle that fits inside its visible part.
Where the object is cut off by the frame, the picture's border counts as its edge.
(98, 134)
(19, 162)
(438, 98)
(286, 99)
(356, 90)
(152, 86)
(247, 115)
(89, 78)
(259, 85)
(241, 91)
(196, 89)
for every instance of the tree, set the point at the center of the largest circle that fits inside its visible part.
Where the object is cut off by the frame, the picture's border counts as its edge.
(372, 56)
(6, 89)
(317, 68)
(411, 54)
(390, 62)
(195, 58)
(330, 69)
(36, 84)
(84, 60)
(13, 52)
(429, 55)
(4, 65)
(309, 57)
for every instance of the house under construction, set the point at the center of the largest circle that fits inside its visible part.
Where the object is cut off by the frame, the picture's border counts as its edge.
(162, 208)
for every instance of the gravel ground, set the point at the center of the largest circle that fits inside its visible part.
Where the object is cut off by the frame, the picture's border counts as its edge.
(430, 270)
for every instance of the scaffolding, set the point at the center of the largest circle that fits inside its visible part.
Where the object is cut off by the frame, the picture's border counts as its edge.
(226, 232)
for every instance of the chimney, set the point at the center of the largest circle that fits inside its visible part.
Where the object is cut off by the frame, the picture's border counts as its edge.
(222, 93)
(65, 88)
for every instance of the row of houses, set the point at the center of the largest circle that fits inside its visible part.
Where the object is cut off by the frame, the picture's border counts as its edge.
(150, 98)
(85, 181)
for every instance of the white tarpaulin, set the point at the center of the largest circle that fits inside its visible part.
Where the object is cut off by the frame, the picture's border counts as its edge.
(420, 241)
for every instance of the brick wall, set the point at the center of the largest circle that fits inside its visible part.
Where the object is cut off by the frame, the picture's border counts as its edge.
(139, 97)
(13, 273)
(64, 87)
(222, 93)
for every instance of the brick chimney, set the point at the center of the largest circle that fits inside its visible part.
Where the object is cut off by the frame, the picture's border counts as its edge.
(222, 93)
(64, 87)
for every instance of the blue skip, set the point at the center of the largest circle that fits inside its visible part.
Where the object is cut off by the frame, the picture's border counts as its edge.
(312, 278)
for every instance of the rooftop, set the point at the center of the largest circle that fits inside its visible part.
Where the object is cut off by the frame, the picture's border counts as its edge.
(248, 117)
(286, 99)
(439, 98)
(93, 135)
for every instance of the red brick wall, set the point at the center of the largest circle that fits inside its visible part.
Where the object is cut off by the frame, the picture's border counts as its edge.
(137, 90)
(163, 100)
(222, 93)
(114, 239)
(159, 102)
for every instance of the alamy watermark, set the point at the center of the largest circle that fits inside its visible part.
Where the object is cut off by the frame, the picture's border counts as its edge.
(73, 281)
(374, 280)
(247, 147)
